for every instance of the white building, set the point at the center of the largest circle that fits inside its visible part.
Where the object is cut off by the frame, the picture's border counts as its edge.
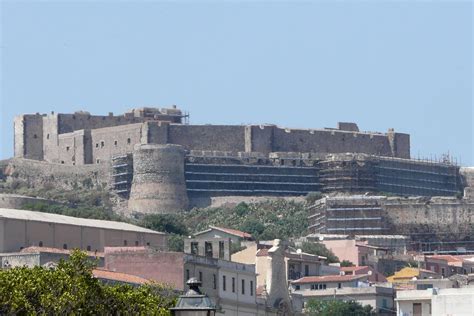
(436, 302)
(346, 287)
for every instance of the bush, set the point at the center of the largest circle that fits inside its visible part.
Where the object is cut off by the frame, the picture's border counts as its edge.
(169, 223)
(337, 308)
(347, 263)
(70, 288)
(320, 250)
(312, 197)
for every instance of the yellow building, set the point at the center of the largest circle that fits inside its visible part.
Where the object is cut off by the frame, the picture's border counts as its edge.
(405, 275)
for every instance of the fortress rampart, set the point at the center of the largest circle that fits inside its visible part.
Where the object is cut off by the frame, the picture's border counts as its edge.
(423, 219)
(151, 158)
(81, 138)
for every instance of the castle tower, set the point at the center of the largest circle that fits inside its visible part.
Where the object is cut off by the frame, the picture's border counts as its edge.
(158, 183)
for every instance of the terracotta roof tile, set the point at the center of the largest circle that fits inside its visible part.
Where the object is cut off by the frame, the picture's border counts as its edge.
(350, 269)
(234, 232)
(118, 276)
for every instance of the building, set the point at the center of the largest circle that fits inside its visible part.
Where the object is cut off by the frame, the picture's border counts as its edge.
(21, 229)
(211, 248)
(230, 285)
(407, 274)
(42, 256)
(435, 302)
(373, 275)
(346, 287)
(235, 235)
(297, 263)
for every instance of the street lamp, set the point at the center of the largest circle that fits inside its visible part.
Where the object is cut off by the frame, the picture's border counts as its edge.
(193, 303)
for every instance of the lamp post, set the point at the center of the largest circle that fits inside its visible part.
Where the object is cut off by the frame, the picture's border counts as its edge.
(193, 303)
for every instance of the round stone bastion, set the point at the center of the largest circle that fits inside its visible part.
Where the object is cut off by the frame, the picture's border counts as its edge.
(158, 186)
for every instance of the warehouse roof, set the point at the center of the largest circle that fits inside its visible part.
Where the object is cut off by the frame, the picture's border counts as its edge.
(68, 220)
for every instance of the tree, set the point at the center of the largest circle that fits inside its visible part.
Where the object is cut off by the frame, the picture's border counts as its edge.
(337, 308)
(169, 223)
(320, 250)
(70, 288)
(347, 263)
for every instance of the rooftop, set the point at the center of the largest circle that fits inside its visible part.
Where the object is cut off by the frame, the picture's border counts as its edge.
(68, 220)
(329, 278)
(230, 231)
(118, 277)
(57, 250)
(351, 269)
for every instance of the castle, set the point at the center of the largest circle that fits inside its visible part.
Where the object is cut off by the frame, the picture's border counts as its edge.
(81, 138)
(159, 163)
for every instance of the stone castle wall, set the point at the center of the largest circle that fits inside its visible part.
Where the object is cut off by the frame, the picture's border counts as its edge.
(440, 218)
(81, 138)
(40, 174)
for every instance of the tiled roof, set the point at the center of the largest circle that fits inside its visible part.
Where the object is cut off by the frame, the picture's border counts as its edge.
(68, 220)
(329, 278)
(448, 258)
(118, 276)
(34, 249)
(231, 231)
(351, 269)
(262, 252)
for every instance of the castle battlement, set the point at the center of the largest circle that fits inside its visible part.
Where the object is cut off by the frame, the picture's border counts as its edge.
(81, 138)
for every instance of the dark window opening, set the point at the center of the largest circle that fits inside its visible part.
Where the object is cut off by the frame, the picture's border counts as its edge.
(208, 249)
(47, 136)
(89, 248)
(62, 162)
(339, 285)
(200, 276)
(251, 288)
(35, 136)
(40, 244)
(243, 287)
(67, 148)
(136, 243)
(221, 249)
(102, 144)
(65, 246)
(233, 285)
(115, 142)
(187, 274)
(306, 270)
(124, 242)
(214, 281)
(194, 248)
(129, 140)
(223, 283)
(96, 145)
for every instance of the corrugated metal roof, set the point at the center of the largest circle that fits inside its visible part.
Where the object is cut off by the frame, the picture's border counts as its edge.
(68, 220)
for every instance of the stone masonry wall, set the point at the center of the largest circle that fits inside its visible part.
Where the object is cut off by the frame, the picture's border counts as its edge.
(28, 134)
(111, 141)
(331, 141)
(40, 174)
(445, 218)
(208, 137)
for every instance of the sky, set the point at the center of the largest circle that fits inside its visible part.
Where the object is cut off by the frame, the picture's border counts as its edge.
(406, 65)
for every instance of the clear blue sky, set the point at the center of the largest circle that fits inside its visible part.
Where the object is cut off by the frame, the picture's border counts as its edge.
(401, 64)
